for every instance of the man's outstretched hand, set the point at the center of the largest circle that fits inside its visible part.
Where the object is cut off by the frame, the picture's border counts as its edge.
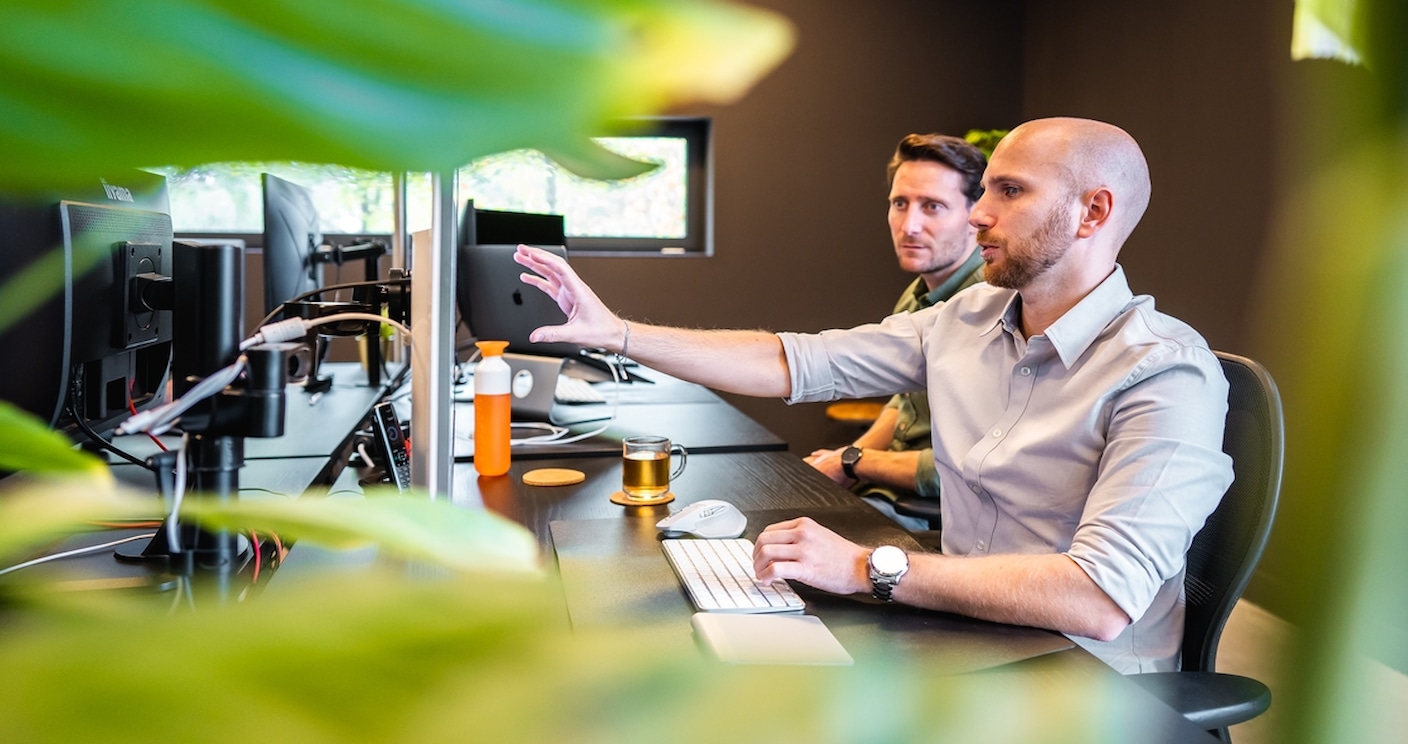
(589, 322)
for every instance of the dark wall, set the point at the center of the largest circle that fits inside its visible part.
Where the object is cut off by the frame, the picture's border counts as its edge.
(1194, 83)
(801, 241)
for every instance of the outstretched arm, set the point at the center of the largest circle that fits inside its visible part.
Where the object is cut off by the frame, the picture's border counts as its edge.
(743, 362)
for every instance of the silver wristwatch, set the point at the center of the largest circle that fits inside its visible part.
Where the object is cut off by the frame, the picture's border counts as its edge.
(888, 564)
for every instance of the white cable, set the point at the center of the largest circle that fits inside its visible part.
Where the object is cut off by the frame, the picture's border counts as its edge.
(75, 551)
(290, 329)
(404, 331)
(366, 458)
(159, 419)
(284, 330)
(178, 494)
(553, 438)
(553, 432)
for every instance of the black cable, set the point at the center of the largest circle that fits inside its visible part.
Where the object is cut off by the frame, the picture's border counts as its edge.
(98, 440)
(331, 288)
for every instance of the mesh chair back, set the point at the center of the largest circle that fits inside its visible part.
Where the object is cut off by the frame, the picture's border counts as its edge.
(1225, 552)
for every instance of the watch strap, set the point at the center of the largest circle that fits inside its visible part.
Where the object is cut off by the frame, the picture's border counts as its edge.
(882, 589)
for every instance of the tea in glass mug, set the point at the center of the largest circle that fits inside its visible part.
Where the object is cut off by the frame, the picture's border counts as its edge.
(645, 466)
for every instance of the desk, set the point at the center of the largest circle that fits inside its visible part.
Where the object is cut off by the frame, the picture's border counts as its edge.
(690, 415)
(613, 575)
(307, 420)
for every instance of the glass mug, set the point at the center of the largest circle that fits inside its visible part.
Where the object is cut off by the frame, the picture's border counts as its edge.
(645, 467)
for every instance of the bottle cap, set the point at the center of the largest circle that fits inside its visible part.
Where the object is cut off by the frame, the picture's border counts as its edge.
(491, 348)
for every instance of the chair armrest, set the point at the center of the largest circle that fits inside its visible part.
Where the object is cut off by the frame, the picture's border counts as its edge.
(916, 506)
(1208, 699)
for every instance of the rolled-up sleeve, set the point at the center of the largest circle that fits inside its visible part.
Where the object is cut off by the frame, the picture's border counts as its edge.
(1161, 474)
(871, 360)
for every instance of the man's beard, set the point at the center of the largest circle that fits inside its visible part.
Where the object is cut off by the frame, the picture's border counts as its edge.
(1033, 256)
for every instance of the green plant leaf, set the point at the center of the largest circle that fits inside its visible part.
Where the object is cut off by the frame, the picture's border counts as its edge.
(388, 85)
(26, 443)
(35, 510)
(412, 526)
(380, 657)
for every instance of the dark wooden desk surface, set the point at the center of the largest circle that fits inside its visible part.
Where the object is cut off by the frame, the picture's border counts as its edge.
(613, 575)
(690, 415)
(308, 420)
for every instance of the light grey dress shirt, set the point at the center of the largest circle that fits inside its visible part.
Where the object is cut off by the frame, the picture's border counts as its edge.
(1100, 438)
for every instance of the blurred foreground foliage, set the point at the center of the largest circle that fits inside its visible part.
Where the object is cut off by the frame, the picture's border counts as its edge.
(1334, 314)
(400, 651)
(90, 86)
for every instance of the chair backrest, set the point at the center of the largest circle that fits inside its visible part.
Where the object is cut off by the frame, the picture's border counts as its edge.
(1225, 552)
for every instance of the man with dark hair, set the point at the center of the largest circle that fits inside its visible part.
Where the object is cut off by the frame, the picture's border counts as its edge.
(934, 181)
(1080, 440)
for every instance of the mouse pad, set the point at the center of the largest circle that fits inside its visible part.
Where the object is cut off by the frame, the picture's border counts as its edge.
(614, 575)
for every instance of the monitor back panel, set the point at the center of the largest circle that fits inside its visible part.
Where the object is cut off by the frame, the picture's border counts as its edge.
(498, 306)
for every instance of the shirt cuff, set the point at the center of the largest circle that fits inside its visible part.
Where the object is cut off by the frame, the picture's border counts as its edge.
(926, 476)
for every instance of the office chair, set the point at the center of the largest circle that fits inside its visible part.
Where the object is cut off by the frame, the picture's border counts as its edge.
(1223, 555)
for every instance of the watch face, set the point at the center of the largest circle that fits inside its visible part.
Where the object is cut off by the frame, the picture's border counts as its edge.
(889, 560)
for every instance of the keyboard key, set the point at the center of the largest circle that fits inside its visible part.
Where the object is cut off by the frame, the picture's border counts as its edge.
(575, 390)
(718, 575)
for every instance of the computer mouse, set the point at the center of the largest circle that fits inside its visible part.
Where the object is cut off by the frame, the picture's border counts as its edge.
(709, 518)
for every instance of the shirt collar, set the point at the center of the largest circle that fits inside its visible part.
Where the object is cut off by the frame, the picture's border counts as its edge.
(1078, 328)
(1075, 331)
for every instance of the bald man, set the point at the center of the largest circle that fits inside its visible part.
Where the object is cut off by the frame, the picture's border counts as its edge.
(1076, 432)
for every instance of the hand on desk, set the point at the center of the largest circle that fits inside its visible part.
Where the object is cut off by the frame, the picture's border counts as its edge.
(803, 550)
(828, 461)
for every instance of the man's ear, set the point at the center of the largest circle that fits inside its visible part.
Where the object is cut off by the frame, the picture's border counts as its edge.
(1095, 211)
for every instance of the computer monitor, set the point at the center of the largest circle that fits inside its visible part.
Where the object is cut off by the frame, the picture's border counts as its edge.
(85, 350)
(292, 237)
(493, 303)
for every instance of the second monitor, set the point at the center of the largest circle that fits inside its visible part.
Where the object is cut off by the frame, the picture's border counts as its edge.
(493, 302)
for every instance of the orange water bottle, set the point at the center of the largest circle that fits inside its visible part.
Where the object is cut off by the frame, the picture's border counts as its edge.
(492, 396)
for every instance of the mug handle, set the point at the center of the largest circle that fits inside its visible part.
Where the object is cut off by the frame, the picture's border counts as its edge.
(683, 457)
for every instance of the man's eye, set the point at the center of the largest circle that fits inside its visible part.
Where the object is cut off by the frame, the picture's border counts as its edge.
(933, 207)
(1010, 191)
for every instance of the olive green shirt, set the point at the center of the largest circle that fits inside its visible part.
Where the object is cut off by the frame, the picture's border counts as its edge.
(912, 427)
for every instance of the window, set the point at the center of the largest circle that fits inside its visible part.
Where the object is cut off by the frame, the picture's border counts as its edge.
(666, 211)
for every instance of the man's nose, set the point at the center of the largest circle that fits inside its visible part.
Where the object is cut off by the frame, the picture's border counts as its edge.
(913, 222)
(978, 216)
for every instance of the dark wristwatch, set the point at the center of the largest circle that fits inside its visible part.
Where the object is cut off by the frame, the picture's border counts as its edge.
(849, 457)
(888, 564)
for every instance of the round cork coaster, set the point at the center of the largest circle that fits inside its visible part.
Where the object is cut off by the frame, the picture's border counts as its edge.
(621, 498)
(553, 477)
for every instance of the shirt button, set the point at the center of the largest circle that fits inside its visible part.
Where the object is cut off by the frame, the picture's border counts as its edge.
(1026, 371)
(982, 545)
(997, 432)
(975, 488)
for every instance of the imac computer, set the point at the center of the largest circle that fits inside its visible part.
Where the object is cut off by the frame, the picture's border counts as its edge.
(495, 304)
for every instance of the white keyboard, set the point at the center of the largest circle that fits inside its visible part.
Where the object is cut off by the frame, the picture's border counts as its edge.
(576, 390)
(718, 574)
